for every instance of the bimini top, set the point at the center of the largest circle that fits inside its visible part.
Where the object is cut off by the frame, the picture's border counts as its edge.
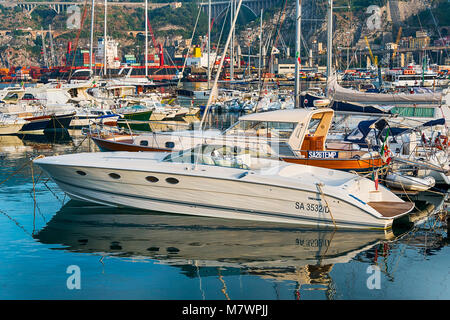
(295, 115)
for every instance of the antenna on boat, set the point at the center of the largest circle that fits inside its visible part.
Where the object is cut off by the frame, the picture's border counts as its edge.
(213, 92)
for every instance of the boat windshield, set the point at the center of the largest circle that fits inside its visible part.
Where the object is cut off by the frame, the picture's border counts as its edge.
(214, 155)
(269, 129)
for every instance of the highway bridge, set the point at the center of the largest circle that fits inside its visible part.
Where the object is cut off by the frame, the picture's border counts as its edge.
(60, 7)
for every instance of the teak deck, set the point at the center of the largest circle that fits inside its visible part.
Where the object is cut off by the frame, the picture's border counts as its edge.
(391, 209)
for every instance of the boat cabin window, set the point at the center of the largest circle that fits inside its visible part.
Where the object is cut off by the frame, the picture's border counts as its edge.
(315, 123)
(10, 96)
(28, 96)
(222, 156)
(267, 129)
(312, 126)
(170, 144)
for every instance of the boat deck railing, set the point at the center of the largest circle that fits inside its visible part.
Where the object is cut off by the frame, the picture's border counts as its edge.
(100, 130)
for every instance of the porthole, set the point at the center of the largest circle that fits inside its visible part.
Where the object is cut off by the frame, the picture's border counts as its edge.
(114, 176)
(170, 144)
(81, 173)
(144, 143)
(152, 179)
(172, 180)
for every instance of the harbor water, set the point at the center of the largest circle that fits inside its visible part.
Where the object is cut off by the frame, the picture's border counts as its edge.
(133, 254)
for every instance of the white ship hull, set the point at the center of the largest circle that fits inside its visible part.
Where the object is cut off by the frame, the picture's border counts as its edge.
(233, 194)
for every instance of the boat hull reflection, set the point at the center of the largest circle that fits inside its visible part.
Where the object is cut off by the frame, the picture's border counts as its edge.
(179, 239)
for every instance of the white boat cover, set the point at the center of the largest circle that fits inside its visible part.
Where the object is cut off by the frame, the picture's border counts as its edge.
(339, 93)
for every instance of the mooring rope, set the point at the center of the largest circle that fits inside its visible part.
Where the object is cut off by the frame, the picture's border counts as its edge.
(16, 222)
(319, 186)
(21, 168)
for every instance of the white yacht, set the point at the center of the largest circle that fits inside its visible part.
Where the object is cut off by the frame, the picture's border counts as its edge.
(87, 116)
(225, 182)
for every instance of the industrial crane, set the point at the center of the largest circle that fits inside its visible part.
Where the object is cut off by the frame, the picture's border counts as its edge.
(373, 59)
(375, 62)
(158, 46)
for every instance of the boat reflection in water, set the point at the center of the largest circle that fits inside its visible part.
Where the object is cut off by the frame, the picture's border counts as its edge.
(219, 246)
(20, 145)
(11, 146)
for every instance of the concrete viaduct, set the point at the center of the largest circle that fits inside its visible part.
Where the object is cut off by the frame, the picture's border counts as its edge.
(60, 7)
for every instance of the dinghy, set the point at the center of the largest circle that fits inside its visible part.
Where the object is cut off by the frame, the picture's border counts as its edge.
(409, 183)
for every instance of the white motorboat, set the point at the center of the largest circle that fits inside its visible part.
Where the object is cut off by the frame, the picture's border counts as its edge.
(11, 92)
(87, 116)
(224, 182)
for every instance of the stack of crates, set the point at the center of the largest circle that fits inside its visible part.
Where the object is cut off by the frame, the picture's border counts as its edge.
(81, 58)
(153, 60)
(130, 59)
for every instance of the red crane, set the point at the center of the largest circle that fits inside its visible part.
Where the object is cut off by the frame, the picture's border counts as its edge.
(158, 46)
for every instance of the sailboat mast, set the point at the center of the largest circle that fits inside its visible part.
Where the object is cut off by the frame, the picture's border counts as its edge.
(213, 94)
(330, 40)
(232, 43)
(298, 30)
(104, 40)
(44, 49)
(209, 41)
(91, 49)
(52, 50)
(260, 51)
(146, 38)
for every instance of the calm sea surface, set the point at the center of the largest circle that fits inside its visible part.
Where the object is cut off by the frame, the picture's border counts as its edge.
(132, 254)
